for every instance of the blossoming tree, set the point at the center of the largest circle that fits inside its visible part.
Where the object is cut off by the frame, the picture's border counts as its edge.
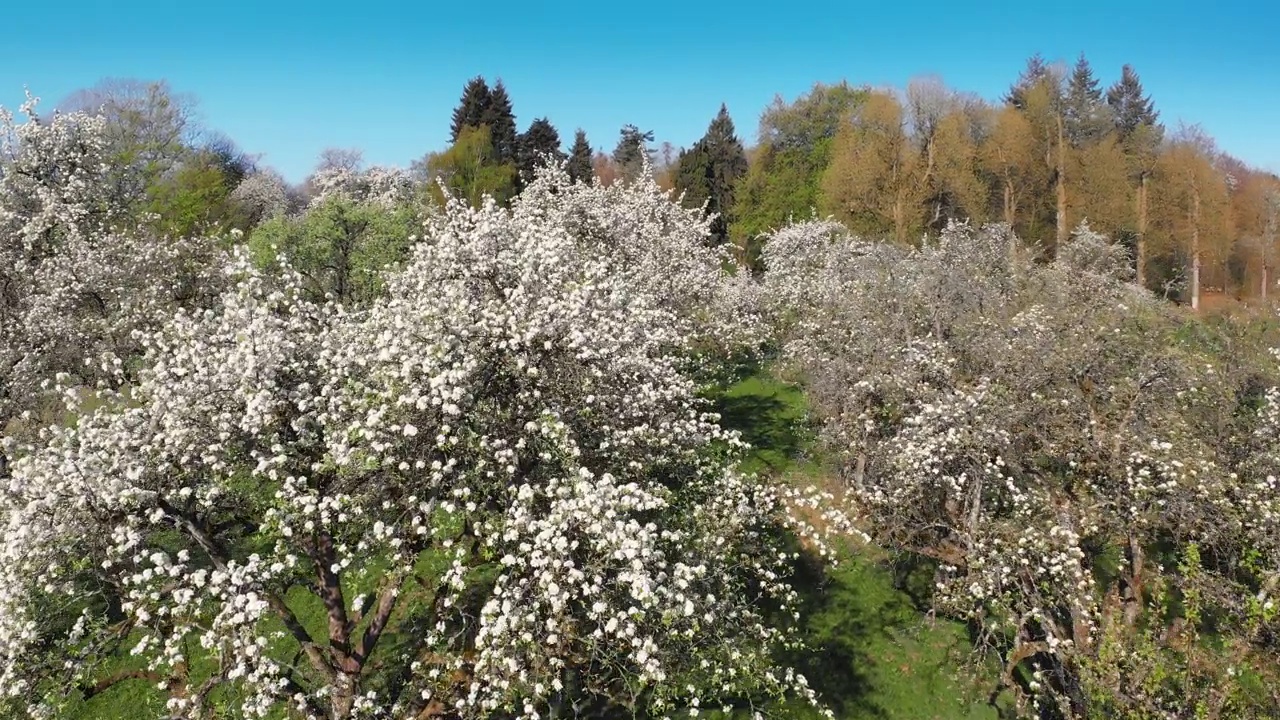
(1078, 464)
(75, 283)
(491, 492)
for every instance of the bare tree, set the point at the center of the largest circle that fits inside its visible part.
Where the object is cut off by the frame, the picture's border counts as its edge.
(150, 128)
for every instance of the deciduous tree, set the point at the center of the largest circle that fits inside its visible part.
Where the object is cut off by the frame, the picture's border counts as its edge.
(496, 486)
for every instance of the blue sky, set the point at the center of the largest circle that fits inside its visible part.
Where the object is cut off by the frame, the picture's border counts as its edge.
(287, 79)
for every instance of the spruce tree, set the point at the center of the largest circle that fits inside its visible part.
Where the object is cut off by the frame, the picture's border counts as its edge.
(631, 151)
(536, 144)
(1131, 108)
(502, 125)
(471, 110)
(1036, 72)
(1086, 115)
(579, 165)
(709, 171)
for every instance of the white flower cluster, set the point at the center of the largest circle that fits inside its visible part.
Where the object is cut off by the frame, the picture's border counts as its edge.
(73, 285)
(265, 195)
(1009, 419)
(493, 492)
(382, 186)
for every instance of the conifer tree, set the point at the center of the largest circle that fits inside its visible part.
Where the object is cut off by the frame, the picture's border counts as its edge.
(1132, 109)
(471, 109)
(1137, 128)
(579, 165)
(536, 144)
(1036, 72)
(502, 125)
(631, 150)
(709, 171)
(1086, 115)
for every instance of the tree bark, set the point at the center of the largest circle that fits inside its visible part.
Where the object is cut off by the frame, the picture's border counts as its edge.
(1008, 202)
(1061, 189)
(1195, 247)
(1133, 590)
(1141, 249)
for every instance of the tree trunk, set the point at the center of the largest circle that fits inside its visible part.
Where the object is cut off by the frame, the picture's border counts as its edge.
(1061, 189)
(899, 220)
(1141, 249)
(343, 696)
(1264, 282)
(1195, 247)
(1133, 584)
(1008, 203)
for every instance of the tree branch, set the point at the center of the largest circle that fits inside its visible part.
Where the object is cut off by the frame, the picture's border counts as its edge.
(381, 614)
(111, 681)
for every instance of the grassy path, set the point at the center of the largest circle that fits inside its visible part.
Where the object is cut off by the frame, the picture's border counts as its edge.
(876, 653)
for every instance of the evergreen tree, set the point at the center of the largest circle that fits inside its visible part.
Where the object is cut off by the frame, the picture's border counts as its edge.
(1086, 114)
(1036, 72)
(1131, 108)
(502, 125)
(709, 171)
(1140, 134)
(631, 151)
(579, 165)
(539, 141)
(471, 110)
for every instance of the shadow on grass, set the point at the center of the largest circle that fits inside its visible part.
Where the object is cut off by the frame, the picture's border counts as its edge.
(838, 630)
(770, 415)
(871, 655)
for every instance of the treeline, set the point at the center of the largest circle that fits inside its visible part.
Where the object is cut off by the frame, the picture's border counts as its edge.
(1058, 149)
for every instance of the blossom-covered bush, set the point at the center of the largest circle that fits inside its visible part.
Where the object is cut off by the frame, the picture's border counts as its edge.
(377, 185)
(1061, 444)
(491, 492)
(75, 282)
(263, 195)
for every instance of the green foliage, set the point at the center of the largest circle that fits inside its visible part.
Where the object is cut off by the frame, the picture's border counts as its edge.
(469, 171)
(1087, 116)
(1036, 73)
(631, 151)
(784, 178)
(195, 197)
(1132, 108)
(709, 171)
(781, 184)
(501, 121)
(579, 165)
(471, 108)
(536, 144)
(339, 246)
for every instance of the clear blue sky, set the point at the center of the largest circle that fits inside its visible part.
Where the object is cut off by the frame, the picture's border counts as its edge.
(287, 79)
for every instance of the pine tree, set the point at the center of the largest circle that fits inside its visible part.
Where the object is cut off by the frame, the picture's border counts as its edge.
(1137, 129)
(579, 166)
(1086, 115)
(502, 125)
(709, 171)
(1036, 72)
(631, 151)
(538, 142)
(1132, 109)
(471, 109)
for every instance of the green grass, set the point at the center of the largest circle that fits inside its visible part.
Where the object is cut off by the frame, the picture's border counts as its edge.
(874, 652)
